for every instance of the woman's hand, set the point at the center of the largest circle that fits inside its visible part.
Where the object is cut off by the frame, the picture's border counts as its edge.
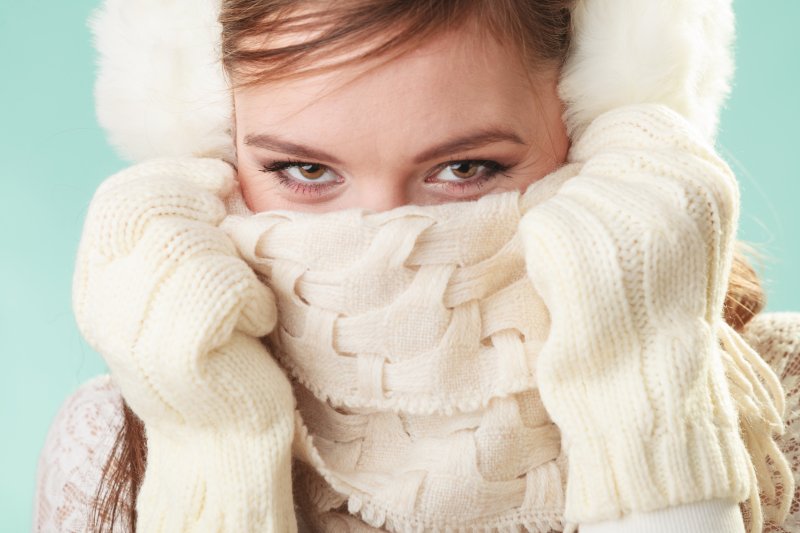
(161, 293)
(632, 258)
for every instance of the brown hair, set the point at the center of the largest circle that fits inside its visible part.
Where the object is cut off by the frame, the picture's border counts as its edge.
(122, 475)
(334, 31)
(539, 29)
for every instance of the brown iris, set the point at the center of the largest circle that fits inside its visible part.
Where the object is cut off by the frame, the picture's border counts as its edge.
(311, 171)
(464, 169)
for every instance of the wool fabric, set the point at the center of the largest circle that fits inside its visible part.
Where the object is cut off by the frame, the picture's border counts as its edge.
(528, 360)
(676, 53)
(531, 360)
(412, 338)
(160, 292)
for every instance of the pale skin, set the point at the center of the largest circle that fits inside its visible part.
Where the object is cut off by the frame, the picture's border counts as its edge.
(454, 119)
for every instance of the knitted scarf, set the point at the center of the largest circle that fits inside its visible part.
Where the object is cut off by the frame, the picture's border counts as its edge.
(411, 337)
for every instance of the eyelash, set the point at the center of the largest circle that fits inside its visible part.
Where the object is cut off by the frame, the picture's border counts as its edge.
(276, 168)
(493, 169)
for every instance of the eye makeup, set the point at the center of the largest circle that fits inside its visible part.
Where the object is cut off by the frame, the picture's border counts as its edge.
(281, 172)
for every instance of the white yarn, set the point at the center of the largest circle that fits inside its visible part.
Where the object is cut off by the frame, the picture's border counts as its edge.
(418, 336)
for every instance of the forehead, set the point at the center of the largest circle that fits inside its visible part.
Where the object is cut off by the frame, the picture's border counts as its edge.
(459, 79)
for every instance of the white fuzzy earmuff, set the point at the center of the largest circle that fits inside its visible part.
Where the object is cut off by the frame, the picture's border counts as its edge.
(161, 90)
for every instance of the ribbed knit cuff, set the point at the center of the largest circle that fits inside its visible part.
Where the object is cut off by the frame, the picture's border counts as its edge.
(718, 516)
(630, 258)
(217, 481)
(617, 472)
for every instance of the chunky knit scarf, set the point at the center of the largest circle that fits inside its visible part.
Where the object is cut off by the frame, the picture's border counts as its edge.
(372, 307)
(413, 337)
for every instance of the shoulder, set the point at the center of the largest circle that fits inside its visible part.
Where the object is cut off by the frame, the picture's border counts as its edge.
(77, 446)
(87, 417)
(776, 337)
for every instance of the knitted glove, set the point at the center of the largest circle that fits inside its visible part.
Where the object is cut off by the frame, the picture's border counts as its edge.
(161, 293)
(632, 258)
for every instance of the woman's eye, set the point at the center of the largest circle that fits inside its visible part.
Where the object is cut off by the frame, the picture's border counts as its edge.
(463, 170)
(313, 178)
(309, 172)
(469, 171)
(302, 177)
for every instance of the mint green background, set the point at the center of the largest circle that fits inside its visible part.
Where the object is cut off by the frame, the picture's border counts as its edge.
(53, 156)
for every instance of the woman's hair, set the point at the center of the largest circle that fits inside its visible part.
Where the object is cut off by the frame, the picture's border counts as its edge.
(334, 33)
(539, 29)
(115, 499)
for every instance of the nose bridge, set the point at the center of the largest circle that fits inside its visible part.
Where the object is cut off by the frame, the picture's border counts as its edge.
(383, 194)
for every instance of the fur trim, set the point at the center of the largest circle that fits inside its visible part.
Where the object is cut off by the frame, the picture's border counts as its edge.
(672, 52)
(161, 90)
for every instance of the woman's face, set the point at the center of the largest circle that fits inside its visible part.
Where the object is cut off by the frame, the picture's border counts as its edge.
(453, 120)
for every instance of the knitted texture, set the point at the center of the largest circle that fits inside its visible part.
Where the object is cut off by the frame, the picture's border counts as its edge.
(160, 292)
(412, 335)
(80, 439)
(632, 259)
(424, 356)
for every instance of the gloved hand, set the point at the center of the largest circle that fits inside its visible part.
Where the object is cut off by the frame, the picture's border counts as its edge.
(160, 292)
(632, 258)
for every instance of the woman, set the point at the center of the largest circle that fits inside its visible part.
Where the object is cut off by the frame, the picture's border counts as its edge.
(375, 105)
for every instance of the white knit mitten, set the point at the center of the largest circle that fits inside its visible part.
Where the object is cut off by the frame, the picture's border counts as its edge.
(632, 258)
(160, 291)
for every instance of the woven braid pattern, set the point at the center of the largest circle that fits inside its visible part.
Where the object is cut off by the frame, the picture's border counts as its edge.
(439, 426)
(425, 311)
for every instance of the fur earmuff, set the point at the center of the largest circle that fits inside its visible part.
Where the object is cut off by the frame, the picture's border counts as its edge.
(672, 52)
(161, 89)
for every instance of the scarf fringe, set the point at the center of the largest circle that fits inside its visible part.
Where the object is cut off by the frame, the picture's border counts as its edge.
(760, 401)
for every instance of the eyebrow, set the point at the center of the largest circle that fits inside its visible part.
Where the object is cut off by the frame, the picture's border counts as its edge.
(276, 144)
(461, 143)
(469, 141)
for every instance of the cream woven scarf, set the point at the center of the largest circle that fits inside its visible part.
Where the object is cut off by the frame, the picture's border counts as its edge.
(412, 338)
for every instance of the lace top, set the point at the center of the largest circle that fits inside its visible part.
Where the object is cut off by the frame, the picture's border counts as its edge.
(82, 434)
(75, 451)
